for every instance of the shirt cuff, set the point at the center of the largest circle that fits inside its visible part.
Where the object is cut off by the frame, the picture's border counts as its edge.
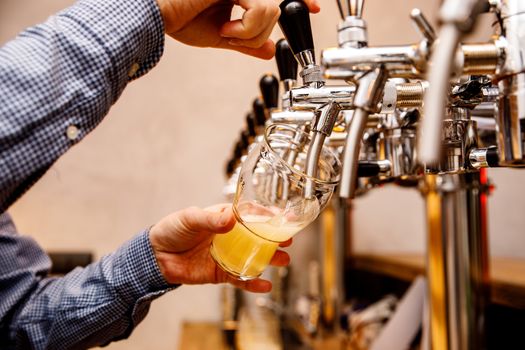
(131, 32)
(136, 271)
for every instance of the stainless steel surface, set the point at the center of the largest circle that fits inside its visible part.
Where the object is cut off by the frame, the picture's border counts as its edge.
(327, 118)
(478, 158)
(511, 112)
(435, 99)
(348, 63)
(351, 154)
(512, 84)
(385, 166)
(398, 147)
(306, 58)
(512, 37)
(308, 98)
(457, 265)
(352, 32)
(423, 25)
(458, 18)
(312, 160)
(293, 117)
(356, 8)
(311, 73)
(288, 84)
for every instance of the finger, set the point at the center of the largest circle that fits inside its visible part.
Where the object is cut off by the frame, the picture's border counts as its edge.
(257, 285)
(313, 5)
(259, 16)
(286, 243)
(198, 220)
(280, 258)
(218, 208)
(254, 43)
(265, 52)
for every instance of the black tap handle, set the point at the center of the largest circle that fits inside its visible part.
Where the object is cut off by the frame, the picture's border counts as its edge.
(244, 139)
(367, 169)
(250, 124)
(286, 62)
(238, 150)
(295, 24)
(493, 157)
(269, 86)
(258, 112)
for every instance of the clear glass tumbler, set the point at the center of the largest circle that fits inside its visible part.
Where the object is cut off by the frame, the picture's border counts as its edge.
(270, 205)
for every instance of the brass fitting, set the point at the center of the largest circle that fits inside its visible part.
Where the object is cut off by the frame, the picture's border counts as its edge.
(410, 95)
(480, 58)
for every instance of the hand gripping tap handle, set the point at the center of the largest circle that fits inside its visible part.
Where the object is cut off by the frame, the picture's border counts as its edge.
(286, 63)
(269, 86)
(295, 24)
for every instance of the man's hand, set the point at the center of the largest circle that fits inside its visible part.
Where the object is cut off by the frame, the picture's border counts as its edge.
(206, 23)
(181, 243)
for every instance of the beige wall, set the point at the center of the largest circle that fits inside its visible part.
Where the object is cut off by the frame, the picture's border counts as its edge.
(163, 147)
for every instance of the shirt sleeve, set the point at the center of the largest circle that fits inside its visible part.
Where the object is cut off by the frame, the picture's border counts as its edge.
(60, 78)
(89, 306)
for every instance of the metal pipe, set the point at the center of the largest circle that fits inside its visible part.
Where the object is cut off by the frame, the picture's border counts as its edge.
(435, 99)
(457, 265)
(321, 129)
(366, 99)
(312, 159)
(351, 153)
(458, 18)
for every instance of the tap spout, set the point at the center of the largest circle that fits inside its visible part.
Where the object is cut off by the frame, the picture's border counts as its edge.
(321, 129)
(368, 95)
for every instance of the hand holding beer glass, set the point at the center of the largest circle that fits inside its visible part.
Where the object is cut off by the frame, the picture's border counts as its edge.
(270, 205)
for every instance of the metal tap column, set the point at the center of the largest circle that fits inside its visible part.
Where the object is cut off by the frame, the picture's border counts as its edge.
(457, 265)
(336, 226)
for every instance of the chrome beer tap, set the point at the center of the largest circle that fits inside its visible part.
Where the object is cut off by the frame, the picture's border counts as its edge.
(295, 23)
(354, 57)
(319, 105)
(286, 65)
(269, 86)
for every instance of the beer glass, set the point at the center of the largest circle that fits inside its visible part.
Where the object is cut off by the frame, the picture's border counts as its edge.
(270, 205)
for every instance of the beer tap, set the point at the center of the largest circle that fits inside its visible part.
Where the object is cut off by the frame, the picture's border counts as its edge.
(260, 115)
(286, 64)
(295, 23)
(510, 78)
(458, 18)
(269, 86)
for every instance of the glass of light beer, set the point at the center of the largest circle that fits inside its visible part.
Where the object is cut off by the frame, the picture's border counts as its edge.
(270, 205)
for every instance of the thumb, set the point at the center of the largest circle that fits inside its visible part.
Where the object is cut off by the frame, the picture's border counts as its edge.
(198, 220)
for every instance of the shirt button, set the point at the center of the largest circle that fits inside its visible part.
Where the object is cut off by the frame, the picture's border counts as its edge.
(72, 132)
(133, 70)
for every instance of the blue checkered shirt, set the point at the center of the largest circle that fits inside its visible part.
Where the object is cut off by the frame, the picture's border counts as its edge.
(57, 81)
